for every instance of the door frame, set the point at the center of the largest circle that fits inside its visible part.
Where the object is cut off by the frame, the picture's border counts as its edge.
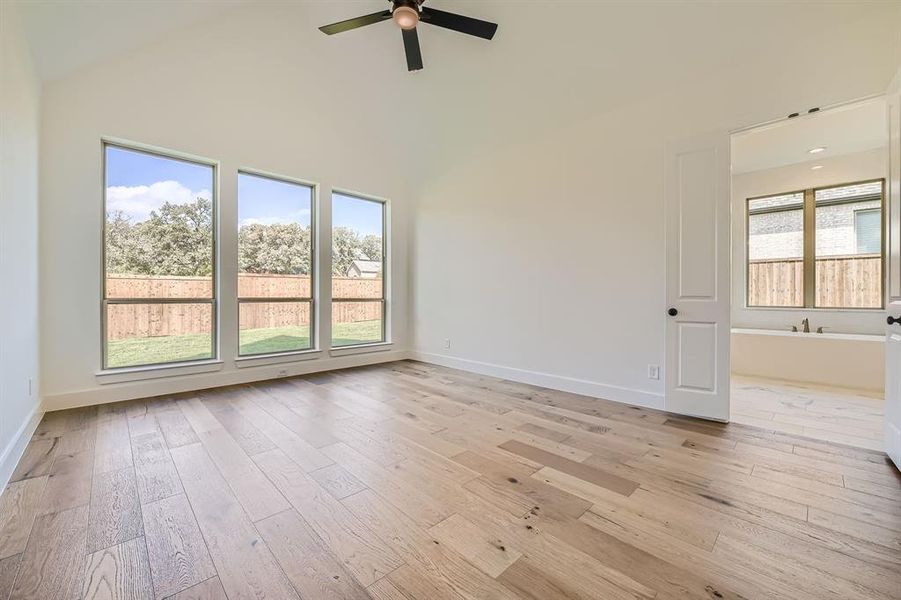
(887, 293)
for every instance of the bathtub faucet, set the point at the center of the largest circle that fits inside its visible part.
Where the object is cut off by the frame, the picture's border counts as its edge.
(805, 325)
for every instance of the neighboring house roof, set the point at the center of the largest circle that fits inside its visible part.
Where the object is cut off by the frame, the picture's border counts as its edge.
(366, 266)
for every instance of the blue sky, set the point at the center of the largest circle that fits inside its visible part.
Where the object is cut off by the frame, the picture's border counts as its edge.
(268, 201)
(364, 216)
(138, 183)
(129, 168)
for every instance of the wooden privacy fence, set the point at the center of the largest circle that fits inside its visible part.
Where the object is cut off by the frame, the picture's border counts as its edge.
(841, 281)
(156, 320)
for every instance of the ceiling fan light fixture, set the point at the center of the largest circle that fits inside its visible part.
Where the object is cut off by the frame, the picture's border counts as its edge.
(406, 17)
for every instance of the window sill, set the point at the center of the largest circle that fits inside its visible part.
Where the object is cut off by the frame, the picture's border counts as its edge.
(243, 362)
(156, 371)
(361, 349)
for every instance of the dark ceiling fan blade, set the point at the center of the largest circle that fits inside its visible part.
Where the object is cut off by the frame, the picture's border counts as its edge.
(411, 46)
(468, 25)
(355, 23)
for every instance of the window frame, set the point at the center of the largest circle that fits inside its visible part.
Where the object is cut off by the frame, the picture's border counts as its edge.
(213, 300)
(809, 207)
(314, 270)
(384, 300)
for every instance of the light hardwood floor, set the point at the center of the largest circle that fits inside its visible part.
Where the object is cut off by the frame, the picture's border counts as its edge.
(832, 415)
(409, 481)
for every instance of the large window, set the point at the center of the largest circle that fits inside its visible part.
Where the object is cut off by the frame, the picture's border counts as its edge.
(817, 248)
(159, 282)
(275, 259)
(358, 270)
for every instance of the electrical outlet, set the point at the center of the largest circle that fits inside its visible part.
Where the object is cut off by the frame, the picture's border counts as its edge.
(447, 343)
(653, 372)
(30, 387)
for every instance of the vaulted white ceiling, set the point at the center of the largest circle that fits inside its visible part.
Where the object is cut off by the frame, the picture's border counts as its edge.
(551, 62)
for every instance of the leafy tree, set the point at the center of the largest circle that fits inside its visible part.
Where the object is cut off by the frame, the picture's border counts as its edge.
(372, 247)
(178, 240)
(281, 248)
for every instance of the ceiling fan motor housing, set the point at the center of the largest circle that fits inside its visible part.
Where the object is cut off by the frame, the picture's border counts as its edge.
(405, 14)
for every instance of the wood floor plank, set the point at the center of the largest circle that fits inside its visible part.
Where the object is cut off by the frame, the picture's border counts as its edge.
(155, 472)
(113, 446)
(355, 545)
(545, 432)
(211, 589)
(503, 483)
(245, 565)
(284, 438)
(36, 460)
(383, 589)
(18, 508)
(412, 583)
(251, 439)
(69, 482)
(178, 555)
(391, 487)
(598, 477)
(337, 481)
(176, 428)
(115, 515)
(489, 554)
(307, 561)
(118, 573)
(445, 568)
(198, 415)
(252, 489)
(9, 568)
(52, 566)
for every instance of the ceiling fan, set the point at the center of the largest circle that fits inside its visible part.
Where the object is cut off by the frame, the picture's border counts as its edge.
(407, 14)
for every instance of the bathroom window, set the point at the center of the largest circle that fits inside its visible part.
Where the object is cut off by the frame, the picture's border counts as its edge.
(817, 248)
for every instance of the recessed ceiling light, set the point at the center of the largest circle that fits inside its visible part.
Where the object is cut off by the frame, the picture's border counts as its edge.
(816, 167)
(816, 150)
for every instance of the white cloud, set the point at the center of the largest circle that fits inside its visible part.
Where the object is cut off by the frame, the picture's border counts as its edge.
(138, 201)
(290, 218)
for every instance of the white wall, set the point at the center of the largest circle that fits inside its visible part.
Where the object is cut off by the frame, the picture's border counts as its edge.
(836, 170)
(261, 100)
(19, 121)
(544, 261)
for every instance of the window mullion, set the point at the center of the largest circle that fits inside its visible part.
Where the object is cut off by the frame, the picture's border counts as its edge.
(810, 249)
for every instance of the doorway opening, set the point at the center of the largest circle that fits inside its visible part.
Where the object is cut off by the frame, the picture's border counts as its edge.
(809, 275)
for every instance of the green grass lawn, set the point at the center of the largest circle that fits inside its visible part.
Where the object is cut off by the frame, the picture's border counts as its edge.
(180, 348)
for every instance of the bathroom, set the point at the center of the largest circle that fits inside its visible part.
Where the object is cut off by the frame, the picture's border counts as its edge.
(808, 289)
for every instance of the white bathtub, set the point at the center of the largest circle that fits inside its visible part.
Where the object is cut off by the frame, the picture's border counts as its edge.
(846, 360)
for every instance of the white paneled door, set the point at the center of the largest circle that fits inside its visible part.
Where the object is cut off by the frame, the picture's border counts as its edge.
(893, 327)
(697, 276)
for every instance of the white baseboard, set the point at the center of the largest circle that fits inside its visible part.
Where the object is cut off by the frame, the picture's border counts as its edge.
(117, 392)
(554, 382)
(16, 446)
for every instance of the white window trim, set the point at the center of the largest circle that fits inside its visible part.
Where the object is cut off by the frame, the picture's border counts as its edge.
(262, 360)
(127, 374)
(361, 349)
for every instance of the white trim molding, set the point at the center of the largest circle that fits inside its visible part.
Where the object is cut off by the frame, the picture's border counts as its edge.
(16, 447)
(573, 385)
